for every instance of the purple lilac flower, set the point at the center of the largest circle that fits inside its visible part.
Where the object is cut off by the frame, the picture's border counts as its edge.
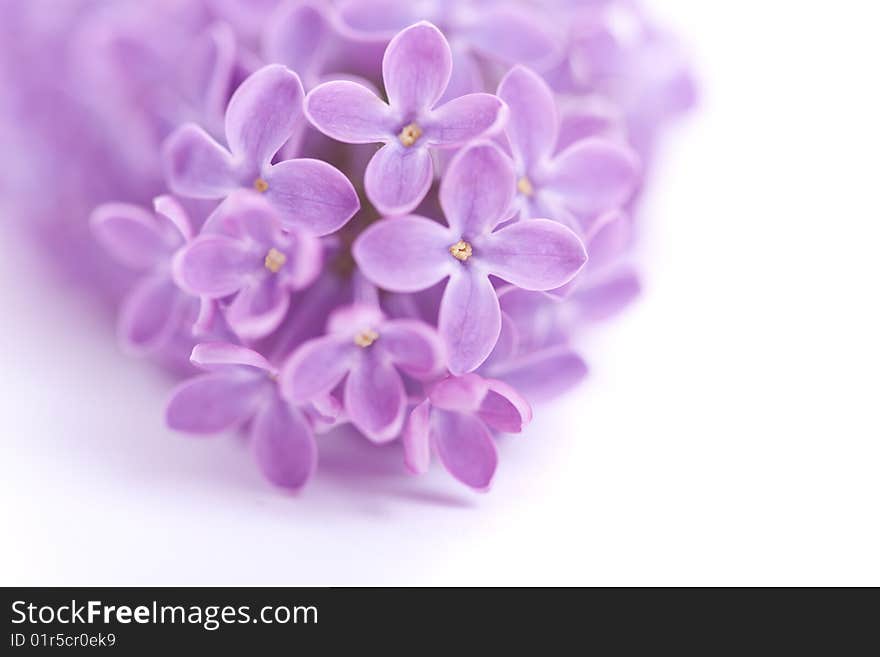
(415, 71)
(155, 309)
(369, 351)
(239, 386)
(411, 253)
(244, 255)
(264, 112)
(456, 421)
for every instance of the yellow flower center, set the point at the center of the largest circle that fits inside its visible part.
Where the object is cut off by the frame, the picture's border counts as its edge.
(410, 134)
(461, 250)
(524, 186)
(365, 338)
(261, 185)
(274, 260)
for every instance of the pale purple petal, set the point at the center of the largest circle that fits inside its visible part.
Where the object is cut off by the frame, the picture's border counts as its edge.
(397, 178)
(416, 68)
(349, 112)
(465, 447)
(594, 175)
(416, 439)
(405, 254)
(216, 401)
(221, 355)
(477, 189)
(263, 113)
(374, 397)
(379, 19)
(536, 254)
(459, 393)
(149, 315)
(316, 367)
(504, 409)
(513, 35)
(311, 195)
(534, 122)
(131, 235)
(470, 319)
(297, 35)
(349, 320)
(259, 308)
(283, 445)
(599, 301)
(168, 209)
(546, 374)
(196, 166)
(215, 266)
(463, 119)
(412, 346)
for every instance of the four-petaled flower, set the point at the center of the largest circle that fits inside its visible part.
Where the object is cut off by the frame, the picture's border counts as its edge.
(412, 253)
(238, 387)
(262, 115)
(416, 70)
(456, 421)
(369, 351)
(243, 251)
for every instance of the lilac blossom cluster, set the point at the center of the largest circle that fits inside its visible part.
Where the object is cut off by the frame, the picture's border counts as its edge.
(387, 214)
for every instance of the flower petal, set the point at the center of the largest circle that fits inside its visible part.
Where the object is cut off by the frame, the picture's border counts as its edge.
(405, 254)
(150, 314)
(374, 397)
(379, 19)
(546, 374)
(196, 166)
(504, 409)
(470, 319)
(534, 121)
(297, 35)
(416, 439)
(263, 113)
(311, 195)
(465, 447)
(465, 118)
(315, 368)
(537, 254)
(215, 265)
(459, 393)
(602, 300)
(416, 68)
(214, 402)
(130, 234)
(514, 35)
(259, 308)
(477, 189)
(398, 178)
(349, 112)
(284, 445)
(594, 175)
(413, 346)
(220, 355)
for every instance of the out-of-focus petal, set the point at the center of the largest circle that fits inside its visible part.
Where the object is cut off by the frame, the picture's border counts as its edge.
(215, 266)
(413, 346)
(465, 118)
(259, 308)
(416, 68)
(214, 402)
(416, 439)
(477, 189)
(604, 299)
(349, 112)
(545, 374)
(220, 355)
(378, 19)
(405, 254)
(168, 209)
(149, 315)
(513, 35)
(397, 178)
(374, 397)
(537, 254)
(470, 319)
(196, 166)
(534, 122)
(311, 195)
(316, 367)
(504, 409)
(465, 447)
(130, 235)
(263, 113)
(297, 35)
(283, 444)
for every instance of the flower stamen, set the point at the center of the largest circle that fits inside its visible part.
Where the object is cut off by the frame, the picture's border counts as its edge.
(274, 260)
(524, 186)
(365, 338)
(410, 134)
(261, 185)
(461, 250)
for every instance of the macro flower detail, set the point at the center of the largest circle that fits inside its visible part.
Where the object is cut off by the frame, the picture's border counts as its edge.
(412, 253)
(263, 114)
(243, 253)
(239, 387)
(146, 242)
(416, 69)
(588, 177)
(370, 352)
(456, 421)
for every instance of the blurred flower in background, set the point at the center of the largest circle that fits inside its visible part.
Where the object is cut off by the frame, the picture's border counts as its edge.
(391, 214)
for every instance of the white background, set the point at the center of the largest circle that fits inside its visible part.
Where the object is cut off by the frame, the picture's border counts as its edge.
(728, 433)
